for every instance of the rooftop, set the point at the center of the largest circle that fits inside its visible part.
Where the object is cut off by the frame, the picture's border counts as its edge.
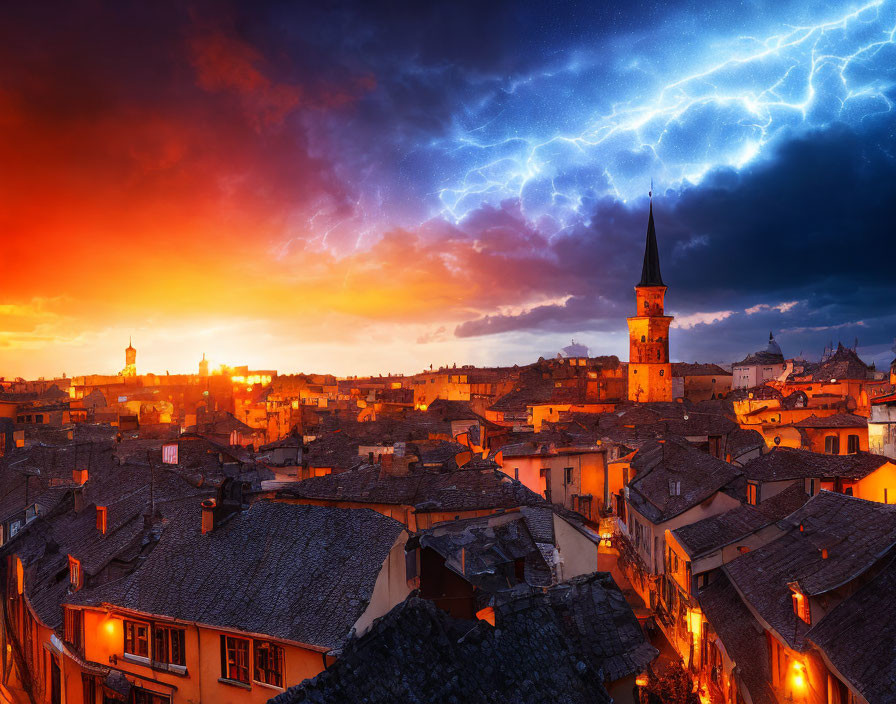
(300, 573)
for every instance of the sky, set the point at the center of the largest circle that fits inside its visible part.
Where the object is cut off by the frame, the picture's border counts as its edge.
(376, 187)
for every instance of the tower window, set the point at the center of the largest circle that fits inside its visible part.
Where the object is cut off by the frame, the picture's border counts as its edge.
(643, 339)
(662, 372)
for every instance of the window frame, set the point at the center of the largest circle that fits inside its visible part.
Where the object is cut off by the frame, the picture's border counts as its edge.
(172, 639)
(274, 656)
(75, 575)
(129, 634)
(240, 646)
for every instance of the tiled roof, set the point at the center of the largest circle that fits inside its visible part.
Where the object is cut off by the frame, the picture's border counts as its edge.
(717, 531)
(843, 364)
(301, 573)
(859, 642)
(838, 420)
(557, 647)
(484, 550)
(841, 538)
(784, 463)
(659, 463)
(460, 490)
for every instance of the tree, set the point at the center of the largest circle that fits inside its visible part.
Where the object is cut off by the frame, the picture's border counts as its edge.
(674, 686)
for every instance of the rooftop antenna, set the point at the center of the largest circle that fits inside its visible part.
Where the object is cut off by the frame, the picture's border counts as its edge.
(650, 192)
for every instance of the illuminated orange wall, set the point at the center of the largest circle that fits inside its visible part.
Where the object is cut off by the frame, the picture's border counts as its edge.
(104, 639)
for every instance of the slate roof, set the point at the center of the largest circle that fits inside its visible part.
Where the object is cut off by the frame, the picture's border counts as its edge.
(717, 531)
(300, 573)
(743, 440)
(742, 636)
(484, 550)
(854, 533)
(838, 420)
(861, 644)
(784, 463)
(843, 364)
(460, 490)
(725, 528)
(660, 462)
(555, 647)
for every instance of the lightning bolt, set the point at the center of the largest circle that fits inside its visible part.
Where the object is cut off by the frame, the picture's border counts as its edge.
(725, 114)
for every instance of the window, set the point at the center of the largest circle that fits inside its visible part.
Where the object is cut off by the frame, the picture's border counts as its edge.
(146, 696)
(567, 475)
(268, 663)
(674, 487)
(832, 445)
(752, 493)
(169, 454)
(516, 473)
(801, 607)
(852, 444)
(168, 645)
(662, 371)
(88, 688)
(101, 519)
(136, 639)
(235, 659)
(74, 627)
(74, 573)
(643, 339)
(812, 487)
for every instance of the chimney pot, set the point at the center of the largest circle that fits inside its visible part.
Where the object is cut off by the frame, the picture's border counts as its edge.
(208, 515)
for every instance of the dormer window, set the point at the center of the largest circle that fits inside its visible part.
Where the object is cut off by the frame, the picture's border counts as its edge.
(674, 487)
(101, 519)
(74, 573)
(801, 606)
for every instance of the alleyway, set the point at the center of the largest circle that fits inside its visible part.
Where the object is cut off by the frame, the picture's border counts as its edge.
(607, 561)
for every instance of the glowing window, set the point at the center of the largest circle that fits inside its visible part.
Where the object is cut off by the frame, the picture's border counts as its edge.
(101, 519)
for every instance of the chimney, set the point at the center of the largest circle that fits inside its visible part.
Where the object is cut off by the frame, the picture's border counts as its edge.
(78, 494)
(208, 515)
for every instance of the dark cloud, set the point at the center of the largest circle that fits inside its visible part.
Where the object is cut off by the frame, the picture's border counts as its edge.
(809, 225)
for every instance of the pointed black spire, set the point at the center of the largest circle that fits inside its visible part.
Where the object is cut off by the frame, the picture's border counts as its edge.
(650, 273)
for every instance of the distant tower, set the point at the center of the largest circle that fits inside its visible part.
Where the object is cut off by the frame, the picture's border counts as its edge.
(649, 370)
(203, 366)
(130, 360)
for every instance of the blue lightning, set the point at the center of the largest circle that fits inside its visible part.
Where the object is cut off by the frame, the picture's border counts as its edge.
(726, 114)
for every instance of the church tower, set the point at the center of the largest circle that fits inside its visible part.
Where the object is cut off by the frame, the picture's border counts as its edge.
(649, 370)
(130, 360)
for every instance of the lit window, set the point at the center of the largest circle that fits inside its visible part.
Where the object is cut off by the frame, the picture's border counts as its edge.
(268, 663)
(801, 607)
(235, 659)
(101, 519)
(169, 454)
(136, 639)
(752, 493)
(74, 573)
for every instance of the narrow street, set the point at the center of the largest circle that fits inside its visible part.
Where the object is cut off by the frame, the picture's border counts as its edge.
(607, 561)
